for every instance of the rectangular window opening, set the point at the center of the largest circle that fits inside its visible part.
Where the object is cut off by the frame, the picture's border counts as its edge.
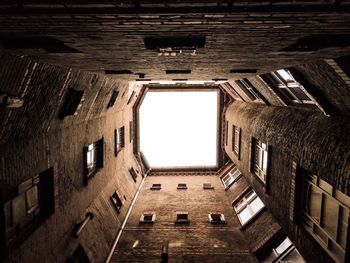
(248, 207)
(156, 187)
(217, 218)
(71, 102)
(93, 154)
(182, 218)
(181, 186)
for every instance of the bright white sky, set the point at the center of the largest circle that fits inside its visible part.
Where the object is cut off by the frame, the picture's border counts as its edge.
(179, 128)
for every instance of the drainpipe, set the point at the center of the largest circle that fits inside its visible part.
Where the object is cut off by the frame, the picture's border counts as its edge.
(126, 218)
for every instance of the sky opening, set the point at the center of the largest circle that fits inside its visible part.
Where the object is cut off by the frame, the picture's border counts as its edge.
(179, 129)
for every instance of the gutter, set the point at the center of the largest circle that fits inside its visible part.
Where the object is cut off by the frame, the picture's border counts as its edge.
(126, 218)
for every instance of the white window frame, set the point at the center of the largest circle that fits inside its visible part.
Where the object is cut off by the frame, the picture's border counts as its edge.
(236, 140)
(261, 159)
(231, 177)
(91, 156)
(212, 221)
(286, 83)
(144, 214)
(244, 203)
(120, 138)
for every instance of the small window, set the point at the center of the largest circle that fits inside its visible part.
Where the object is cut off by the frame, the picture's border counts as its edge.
(260, 159)
(117, 202)
(290, 90)
(182, 218)
(148, 217)
(131, 97)
(226, 132)
(182, 186)
(119, 138)
(236, 140)
(133, 173)
(216, 218)
(232, 176)
(130, 131)
(207, 186)
(93, 159)
(156, 187)
(79, 255)
(112, 99)
(248, 88)
(248, 206)
(71, 103)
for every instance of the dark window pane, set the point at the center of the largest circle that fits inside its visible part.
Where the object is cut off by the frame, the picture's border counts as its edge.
(19, 211)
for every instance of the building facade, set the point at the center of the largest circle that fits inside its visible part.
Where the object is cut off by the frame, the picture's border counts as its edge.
(74, 186)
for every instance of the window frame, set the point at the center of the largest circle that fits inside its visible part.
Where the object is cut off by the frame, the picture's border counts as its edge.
(113, 98)
(96, 150)
(250, 91)
(181, 186)
(244, 202)
(15, 232)
(236, 140)
(116, 201)
(234, 173)
(182, 220)
(144, 215)
(208, 186)
(331, 244)
(156, 187)
(133, 174)
(119, 139)
(261, 156)
(212, 221)
(285, 88)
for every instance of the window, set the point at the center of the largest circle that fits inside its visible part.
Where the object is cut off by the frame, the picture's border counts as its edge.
(156, 187)
(130, 131)
(119, 138)
(226, 132)
(133, 174)
(283, 248)
(79, 255)
(248, 88)
(32, 204)
(181, 186)
(326, 214)
(182, 218)
(207, 186)
(112, 99)
(290, 90)
(260, 159)
(93, 159)
(148, 217)
(247, 207)
(131, 97)
(117, 202)
(71, 103)
(216, 218)
(232, 176)
(236, 140)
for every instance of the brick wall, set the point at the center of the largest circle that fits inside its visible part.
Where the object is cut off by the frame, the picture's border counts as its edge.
(34, 139)
(198, 241)
(316, 142)
(239, 35)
